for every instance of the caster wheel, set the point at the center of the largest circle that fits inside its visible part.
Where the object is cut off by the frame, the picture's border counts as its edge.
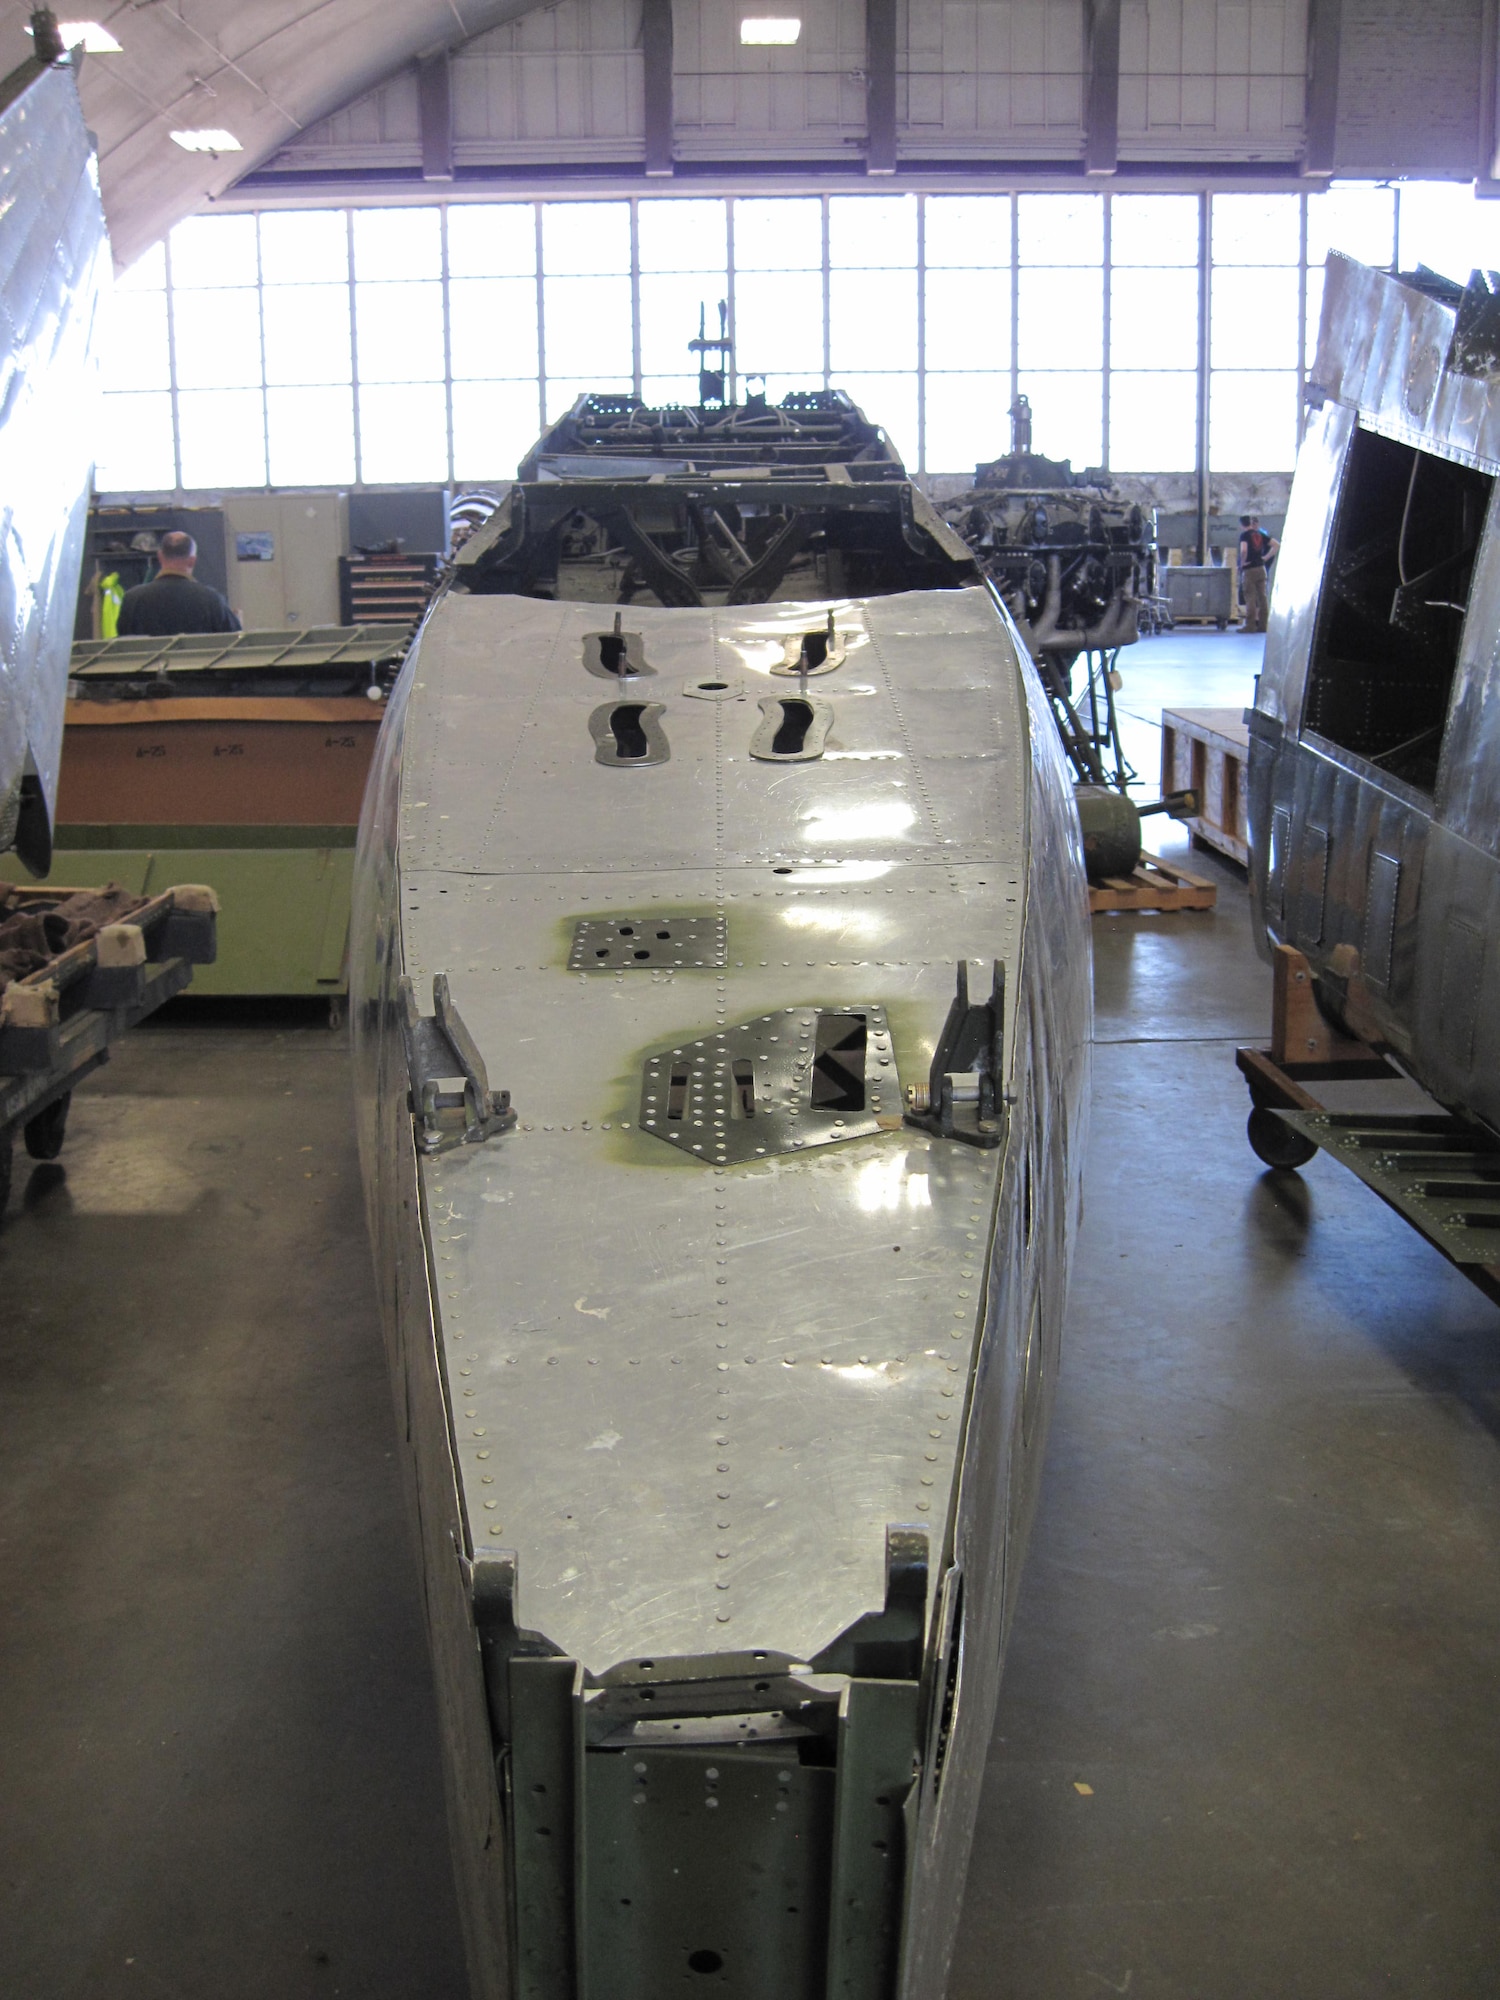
(44, 1133)
(1273, 1141)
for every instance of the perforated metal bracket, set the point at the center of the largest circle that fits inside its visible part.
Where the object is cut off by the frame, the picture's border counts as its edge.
(449, 1095)
(647, 943)
(963, 1098)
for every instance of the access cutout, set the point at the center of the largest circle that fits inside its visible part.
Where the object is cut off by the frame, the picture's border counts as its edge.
(793, 729)
(1395, 594)
(629, 733)
(838, 1080)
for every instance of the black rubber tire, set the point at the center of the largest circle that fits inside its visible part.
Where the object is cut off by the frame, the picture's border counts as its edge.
(45, 1132)
(1274, 1142)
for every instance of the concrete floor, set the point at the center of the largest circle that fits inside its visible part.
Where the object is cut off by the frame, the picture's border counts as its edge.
(1248, 1745)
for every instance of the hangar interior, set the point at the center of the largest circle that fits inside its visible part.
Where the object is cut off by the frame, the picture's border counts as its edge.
(364, 256)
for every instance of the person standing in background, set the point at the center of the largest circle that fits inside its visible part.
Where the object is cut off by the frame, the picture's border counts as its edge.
(173, 601)
(1257, 552)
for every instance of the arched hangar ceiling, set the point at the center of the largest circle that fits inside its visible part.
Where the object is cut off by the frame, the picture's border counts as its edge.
(262, 69)
(359, 99)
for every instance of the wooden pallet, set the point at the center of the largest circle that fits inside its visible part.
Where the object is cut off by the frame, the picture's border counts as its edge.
(1155, 885)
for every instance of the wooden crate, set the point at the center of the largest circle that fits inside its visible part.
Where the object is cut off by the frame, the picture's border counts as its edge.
(1207, 750)
(1155, 885)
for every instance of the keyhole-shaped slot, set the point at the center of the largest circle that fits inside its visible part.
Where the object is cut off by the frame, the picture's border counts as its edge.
(625, 726)
(791, 733)
(744, 1087)
(677, 1087)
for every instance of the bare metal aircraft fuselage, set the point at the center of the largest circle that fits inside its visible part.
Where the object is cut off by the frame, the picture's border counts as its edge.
(721, 999)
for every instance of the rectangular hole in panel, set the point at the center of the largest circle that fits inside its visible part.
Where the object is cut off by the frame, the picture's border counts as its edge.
(838, 1081)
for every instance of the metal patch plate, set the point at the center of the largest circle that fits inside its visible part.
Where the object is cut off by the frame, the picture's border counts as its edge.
(1433, 1169)
(608, 944)
(802, 1077)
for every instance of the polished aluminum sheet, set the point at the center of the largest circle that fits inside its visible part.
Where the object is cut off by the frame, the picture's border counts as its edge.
(693, 1397)
(54, 269)
(1383, 349)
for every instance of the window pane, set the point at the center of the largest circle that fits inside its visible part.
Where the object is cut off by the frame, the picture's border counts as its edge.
(492, 240)
(966, 229)
(681, 235)
(1445, 226)
(891, 402)
(492, 327)
(1154, 319)
(1252, 422)
(968, 319)
(1061, 319)
(778, 323)
(778, 235)
(217, 338)
(391, 243)
(966, 420)
(1314, 316)
(1257, 228)
(135, 342)
(866, 229)
(308, 246)
(588, 327)
(400, 332)
(663, 391)
(670, 312)
(1067, 416)
(494, 425)
(223, 437)
(1060, 228)
(148, 273)
(563, 392)
(1360, 221)
(1153, 421)
(403, 433)
(135, 444)
(307, 333)
(872, 320)
(1253, 319)
(312, 436)
(213, 250)
(1153, 229)
(586, 237)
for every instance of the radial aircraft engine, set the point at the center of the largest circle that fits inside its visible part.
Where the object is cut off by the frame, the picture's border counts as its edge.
(722, 1003)
(1375, 735)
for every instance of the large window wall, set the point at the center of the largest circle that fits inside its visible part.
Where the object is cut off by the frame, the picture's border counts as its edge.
(374, 346)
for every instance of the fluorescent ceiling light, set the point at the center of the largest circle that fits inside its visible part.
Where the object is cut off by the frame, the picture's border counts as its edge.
(776, 31)
(97, 40)
(208, 141)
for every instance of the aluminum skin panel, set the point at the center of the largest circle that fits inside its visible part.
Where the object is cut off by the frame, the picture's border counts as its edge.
(694, 1399)
(1390, 890)
(54, 271)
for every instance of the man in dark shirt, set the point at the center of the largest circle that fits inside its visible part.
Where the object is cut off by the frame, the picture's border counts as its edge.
(1257, 553)
(172, 601)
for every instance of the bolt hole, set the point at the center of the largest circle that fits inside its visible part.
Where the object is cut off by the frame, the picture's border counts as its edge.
(664, 934)
(713, 687)
(781, 871)
(762, 1687)
(642, 954)
(705, 1961)
(602, 952)
(627, 930)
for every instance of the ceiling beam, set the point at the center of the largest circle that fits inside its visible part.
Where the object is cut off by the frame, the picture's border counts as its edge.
(435, 115)
(656, 52)
(880, 86)
(1101, 113)
(1324, 31)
